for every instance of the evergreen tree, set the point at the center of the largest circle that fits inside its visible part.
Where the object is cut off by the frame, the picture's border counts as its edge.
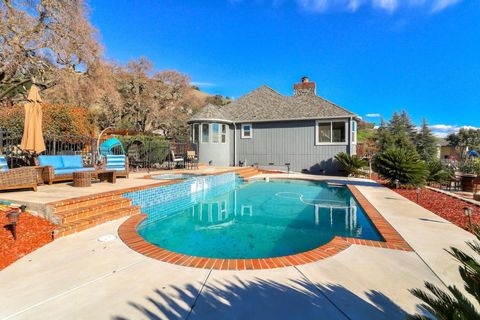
(401, 129)
(425, 143)
(383, 137)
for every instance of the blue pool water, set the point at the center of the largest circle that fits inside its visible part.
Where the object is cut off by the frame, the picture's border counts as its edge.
(257, 219)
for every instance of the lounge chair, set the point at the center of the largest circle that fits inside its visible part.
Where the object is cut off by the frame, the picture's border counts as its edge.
(18, 178)
(118, 163)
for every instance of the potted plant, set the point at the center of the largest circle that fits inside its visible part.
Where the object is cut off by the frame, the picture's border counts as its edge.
(469, 169)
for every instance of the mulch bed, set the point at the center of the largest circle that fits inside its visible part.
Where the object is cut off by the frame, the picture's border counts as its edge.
(32, 233)
(443, 205)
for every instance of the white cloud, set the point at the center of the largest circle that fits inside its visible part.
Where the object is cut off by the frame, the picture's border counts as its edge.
(439, 5)
(203, 84)
(373, 115)
(384, 5)
(443, 130)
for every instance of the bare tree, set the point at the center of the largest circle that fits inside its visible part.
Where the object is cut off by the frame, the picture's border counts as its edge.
(44, 40)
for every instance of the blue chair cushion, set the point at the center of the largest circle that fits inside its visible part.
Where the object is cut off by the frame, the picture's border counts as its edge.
(115, 162)
(3, 164)
(72, 170)
(72, 161)
(54, 161)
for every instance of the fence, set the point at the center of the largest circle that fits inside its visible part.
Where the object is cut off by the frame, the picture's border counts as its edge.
(151, 152)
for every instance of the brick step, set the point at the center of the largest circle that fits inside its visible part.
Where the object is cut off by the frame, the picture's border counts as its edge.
(85, 212)
(92, 221)
(72, 204)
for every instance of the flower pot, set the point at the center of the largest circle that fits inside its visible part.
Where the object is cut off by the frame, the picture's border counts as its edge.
(467, 182)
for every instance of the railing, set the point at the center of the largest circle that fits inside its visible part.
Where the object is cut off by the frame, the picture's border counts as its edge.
(54, 144)
(147, 154)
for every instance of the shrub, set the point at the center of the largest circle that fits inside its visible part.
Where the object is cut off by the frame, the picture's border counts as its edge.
(437, 172)
(403, 165)
(57, 119)
(351, 164)
(471, 166)
(454, 304)
(153, 149)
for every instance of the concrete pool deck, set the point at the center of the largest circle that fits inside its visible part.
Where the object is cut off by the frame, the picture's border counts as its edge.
(78, 277)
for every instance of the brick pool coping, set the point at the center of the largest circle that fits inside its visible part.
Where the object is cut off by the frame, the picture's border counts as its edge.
(393, 240)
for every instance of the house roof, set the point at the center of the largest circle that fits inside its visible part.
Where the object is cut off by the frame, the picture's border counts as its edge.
(265, 104)
(211, 112)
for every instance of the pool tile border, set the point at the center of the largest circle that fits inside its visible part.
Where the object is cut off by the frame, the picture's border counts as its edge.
(393, 240)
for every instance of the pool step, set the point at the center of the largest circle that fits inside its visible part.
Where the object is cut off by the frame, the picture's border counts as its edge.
(247, 172)
(77, 214)
(92, 210)
(94, 220)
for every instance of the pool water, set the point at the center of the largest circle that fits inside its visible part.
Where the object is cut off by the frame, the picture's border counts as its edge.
(257, 219)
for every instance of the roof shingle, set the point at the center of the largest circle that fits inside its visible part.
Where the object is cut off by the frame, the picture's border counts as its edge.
(265, 104)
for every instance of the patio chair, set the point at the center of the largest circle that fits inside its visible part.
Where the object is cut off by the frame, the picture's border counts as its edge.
(192, 160)
(18, 178)
(118, 163)
(175, 160)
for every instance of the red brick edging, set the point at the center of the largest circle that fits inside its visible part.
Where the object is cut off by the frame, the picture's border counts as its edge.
(129, 235)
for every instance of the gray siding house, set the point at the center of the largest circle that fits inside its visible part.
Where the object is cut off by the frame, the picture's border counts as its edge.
(302, 132)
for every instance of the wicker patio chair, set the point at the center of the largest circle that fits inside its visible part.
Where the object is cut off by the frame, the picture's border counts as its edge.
(192, 160)
(18, 178)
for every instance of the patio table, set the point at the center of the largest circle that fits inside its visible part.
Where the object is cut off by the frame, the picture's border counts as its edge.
(82, 179)
(106, 175)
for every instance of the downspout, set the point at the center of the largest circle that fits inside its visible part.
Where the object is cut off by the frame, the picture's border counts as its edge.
(234, 144)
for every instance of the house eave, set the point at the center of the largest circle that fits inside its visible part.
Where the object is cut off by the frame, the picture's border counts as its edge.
(356, 117)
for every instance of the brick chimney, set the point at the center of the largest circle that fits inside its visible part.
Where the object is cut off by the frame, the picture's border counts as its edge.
(305, 88)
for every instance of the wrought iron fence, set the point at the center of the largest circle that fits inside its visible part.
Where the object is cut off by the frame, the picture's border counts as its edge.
(146, 154)
(54, 144)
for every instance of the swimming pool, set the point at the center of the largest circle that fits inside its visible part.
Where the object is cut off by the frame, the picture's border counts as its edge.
(258, 219)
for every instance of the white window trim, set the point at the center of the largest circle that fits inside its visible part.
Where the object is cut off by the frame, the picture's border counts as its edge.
(193, 132)
(221, 133)
(353, 135)
(347, 133)
(243, 131)
(201, 133)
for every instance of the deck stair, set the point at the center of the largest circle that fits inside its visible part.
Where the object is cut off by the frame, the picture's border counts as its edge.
(78, 214)
(248, 172)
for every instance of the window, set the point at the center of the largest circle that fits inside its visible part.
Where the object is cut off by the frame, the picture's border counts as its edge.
(224, 133)
(215, 132)
(246, 131)
(331, 132)
(354, 132)
(196, 133)
(205, 133)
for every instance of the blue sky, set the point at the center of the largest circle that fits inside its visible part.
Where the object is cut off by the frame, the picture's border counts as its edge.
(371, 56)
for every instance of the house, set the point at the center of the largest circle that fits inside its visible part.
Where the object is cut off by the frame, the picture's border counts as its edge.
(445, 151)
(299, 133)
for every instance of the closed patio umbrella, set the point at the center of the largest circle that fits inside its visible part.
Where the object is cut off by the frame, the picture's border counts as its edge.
(32, 139)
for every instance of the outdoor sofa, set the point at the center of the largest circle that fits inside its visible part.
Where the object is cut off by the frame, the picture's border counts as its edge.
(18, 178)
(61, 168)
